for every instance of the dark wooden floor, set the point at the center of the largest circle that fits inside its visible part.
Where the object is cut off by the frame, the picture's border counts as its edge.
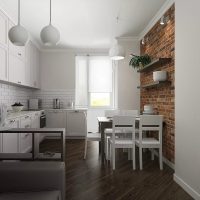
(88, 180)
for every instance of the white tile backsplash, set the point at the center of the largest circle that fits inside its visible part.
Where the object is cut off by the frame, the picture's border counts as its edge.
(11, 94)
(47, 96)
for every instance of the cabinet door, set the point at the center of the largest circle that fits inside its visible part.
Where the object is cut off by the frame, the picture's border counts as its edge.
(4, 29)
(35, 80)
(76, 124)
(16, 70)
(3, 64)
(56, 119)
(25, 138)
(10, 141)
(18, 51)
(28, 64)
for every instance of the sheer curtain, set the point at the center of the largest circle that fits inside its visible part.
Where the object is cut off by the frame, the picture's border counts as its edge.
(94, 75)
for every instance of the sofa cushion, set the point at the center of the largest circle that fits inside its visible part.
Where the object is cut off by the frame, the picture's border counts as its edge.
(43, 195)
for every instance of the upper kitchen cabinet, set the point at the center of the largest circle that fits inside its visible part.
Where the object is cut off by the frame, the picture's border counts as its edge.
(3, 29)
(32, 65)
(3, 47)
(35, 78)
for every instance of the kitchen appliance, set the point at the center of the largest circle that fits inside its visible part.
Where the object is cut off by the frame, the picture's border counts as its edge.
(56, 103)
(42, 119)
(34, 104)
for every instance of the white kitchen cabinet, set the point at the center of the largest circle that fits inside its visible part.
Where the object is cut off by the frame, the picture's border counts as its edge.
(25, 138)
(3, 63)
(33, 65)
(76, 125)
(18, 51)
(16, 70)
(56, 119)
(10, 142)
(3, 29)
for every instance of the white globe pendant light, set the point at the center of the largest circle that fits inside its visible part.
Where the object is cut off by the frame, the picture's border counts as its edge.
(18, 34)
(49, 35)
(117, 52)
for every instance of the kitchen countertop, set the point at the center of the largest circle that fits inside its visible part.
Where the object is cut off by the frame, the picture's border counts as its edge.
(11, 115)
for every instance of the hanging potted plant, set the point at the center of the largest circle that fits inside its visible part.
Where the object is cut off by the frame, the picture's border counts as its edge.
(138, 62)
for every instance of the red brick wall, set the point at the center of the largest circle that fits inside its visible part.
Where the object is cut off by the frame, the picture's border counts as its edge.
(160, 43)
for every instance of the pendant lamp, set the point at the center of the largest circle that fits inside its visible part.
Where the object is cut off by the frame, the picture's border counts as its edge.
(18, 34)
(117, 52)
(49, 35)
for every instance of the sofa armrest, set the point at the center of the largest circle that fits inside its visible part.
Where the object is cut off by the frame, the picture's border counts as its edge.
(32, 176)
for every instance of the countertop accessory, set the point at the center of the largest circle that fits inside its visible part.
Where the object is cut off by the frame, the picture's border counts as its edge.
(17, 107)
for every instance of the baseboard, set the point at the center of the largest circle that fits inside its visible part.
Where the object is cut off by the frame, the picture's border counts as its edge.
(187, 188)
(166, 161)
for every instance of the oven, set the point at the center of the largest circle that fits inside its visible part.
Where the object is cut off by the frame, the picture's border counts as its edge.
(42, 120)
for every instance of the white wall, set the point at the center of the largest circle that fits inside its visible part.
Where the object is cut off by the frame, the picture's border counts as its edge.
(187, 96)
(128, 78)
(57, 70)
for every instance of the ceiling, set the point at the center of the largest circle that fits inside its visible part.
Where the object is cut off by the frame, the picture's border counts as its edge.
(86, 23)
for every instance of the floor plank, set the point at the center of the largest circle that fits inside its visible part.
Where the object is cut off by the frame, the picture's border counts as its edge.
(88, 179)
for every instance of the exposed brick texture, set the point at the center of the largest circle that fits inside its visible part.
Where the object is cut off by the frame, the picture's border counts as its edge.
(161, 43)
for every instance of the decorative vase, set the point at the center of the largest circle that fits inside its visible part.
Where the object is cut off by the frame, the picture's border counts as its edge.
(160, 76)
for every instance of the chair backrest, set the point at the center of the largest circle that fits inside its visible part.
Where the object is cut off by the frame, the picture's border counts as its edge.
(151, 123)
(129, 113)
(111, 113)
(123, 124)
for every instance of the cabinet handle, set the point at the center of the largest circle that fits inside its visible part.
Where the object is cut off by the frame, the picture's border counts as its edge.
(27, 134)
(19, 54)
(26, 117)
(27, 126)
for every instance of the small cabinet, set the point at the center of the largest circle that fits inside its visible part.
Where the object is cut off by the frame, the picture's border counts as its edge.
(25, 138)
(16, 70)
(76, 123)
(56, 119)
(10, 141)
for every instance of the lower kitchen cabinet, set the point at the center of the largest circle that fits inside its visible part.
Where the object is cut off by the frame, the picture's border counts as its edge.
(10, 142)
(56, 119)
(76, 124)
(25, 139)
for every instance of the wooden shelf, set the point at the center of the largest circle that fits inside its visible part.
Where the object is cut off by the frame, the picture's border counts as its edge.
(154, 84)
(153, 63)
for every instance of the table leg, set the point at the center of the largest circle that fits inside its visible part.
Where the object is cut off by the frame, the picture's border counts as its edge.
(102, 143)
(33, 146)
(63, 146)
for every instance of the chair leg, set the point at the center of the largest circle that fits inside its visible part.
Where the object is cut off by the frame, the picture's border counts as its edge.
(106, 147)
(113, 157)
(85, 151)
(133, 158)
(140, 155)
(109, 150)
(152, 154)
(160, 159)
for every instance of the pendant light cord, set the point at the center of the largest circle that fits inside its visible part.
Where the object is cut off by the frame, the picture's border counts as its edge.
(50, 12)
(18, 12)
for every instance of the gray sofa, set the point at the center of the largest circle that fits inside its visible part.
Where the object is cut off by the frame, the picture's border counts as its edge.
(32, 180)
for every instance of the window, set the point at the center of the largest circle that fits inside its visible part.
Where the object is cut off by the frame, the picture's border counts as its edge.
(94, 81)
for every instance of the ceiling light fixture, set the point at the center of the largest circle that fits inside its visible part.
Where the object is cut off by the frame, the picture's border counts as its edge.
(143, 41)
(117, 52)
(49, 35)
(18, 34)
(162, 20)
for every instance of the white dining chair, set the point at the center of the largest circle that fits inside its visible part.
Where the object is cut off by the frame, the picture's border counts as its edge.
(150, 123)
(108, 131)
(121, 123)
(89, 136)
